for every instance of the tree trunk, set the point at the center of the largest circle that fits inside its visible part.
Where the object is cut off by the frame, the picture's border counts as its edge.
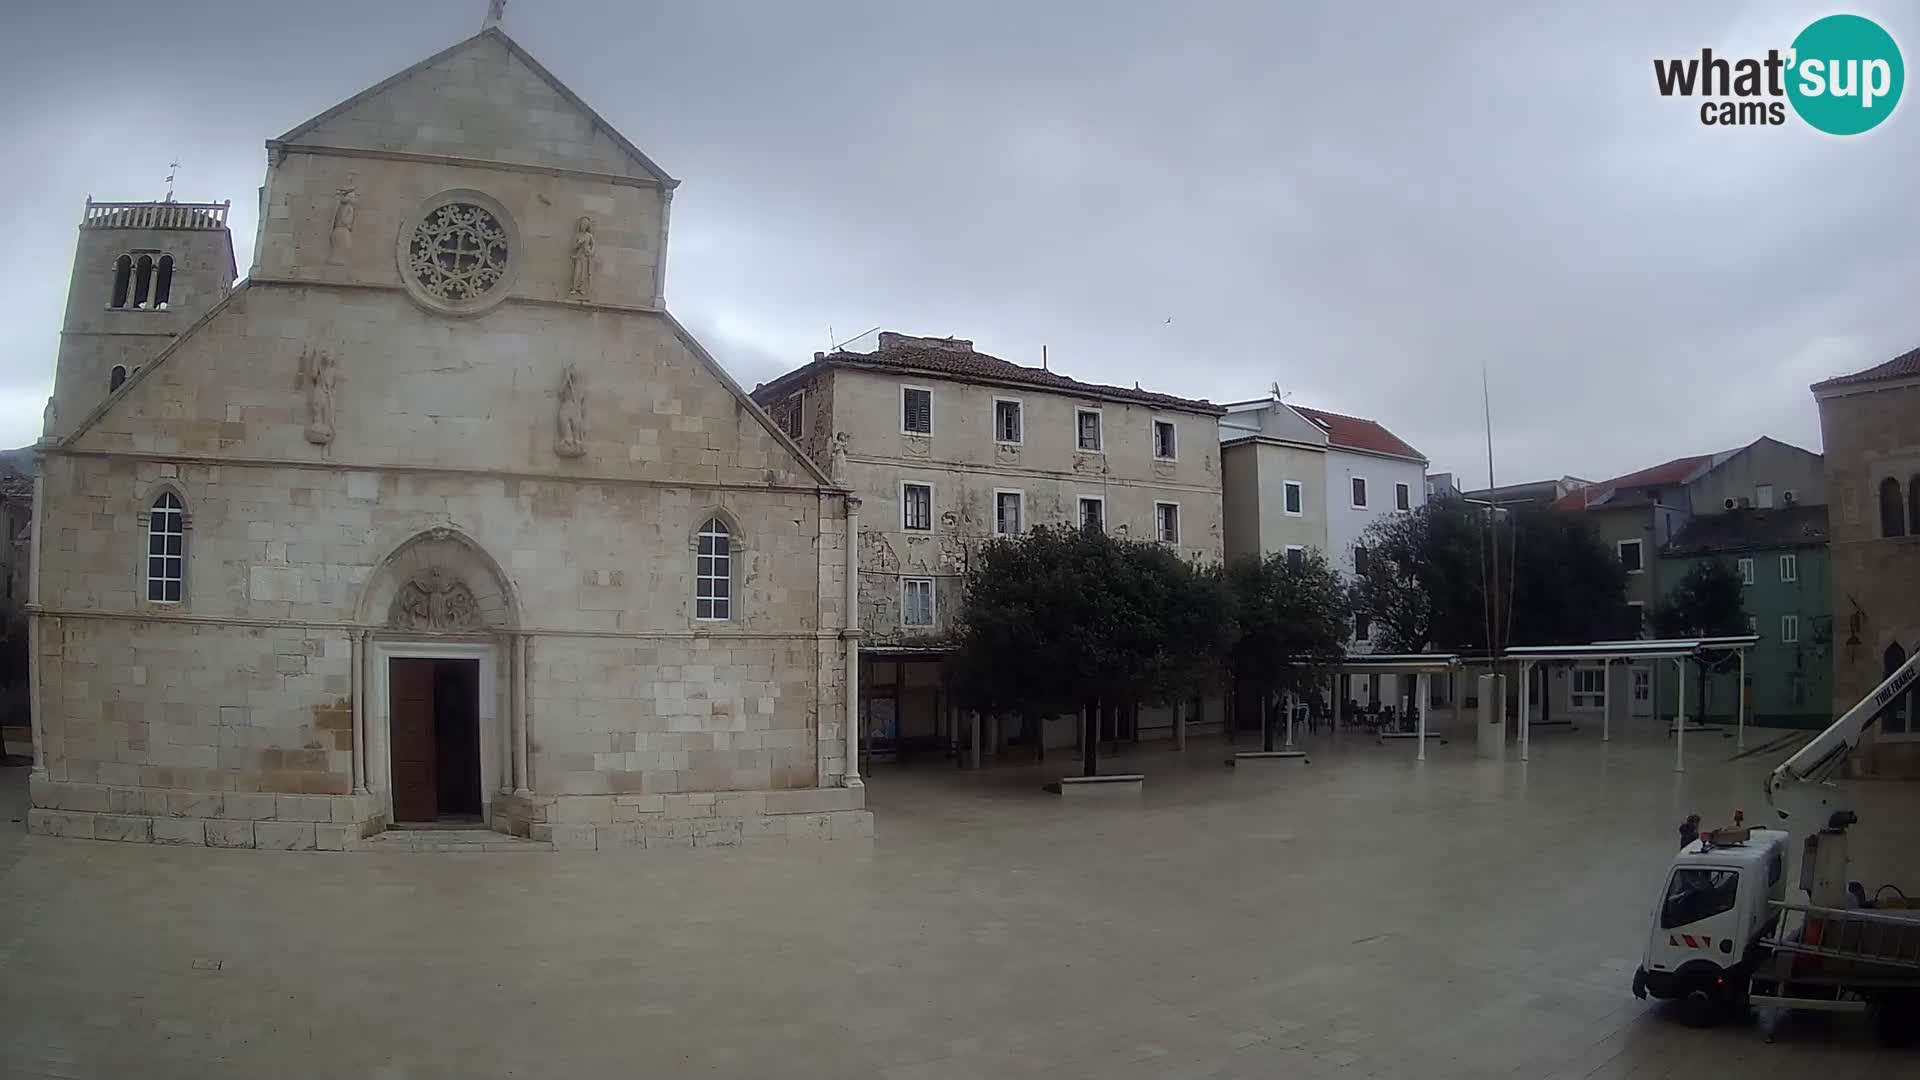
(1090, 741)
(1266, 724)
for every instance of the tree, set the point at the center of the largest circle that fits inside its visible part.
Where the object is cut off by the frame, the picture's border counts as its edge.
(1708, 601)
(1291, 617)
(1430, 579)
(1062, 619)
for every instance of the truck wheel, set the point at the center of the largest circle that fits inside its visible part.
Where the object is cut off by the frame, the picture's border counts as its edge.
(1703, 1005)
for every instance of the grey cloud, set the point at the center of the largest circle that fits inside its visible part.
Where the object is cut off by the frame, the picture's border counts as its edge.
(1365, 203)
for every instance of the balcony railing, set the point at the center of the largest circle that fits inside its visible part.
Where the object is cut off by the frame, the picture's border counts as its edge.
(155, 215)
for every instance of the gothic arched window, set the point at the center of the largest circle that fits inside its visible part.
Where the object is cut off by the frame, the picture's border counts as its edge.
(163, 283)
(713, 576)
(166, 548)
(1893, 516)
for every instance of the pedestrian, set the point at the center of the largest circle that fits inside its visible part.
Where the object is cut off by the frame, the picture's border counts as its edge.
(1690, 830)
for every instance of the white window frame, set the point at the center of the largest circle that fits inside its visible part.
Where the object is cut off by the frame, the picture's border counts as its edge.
(1291, 548)
(1789, 629)
(1080, 511)
(1399, 487)
(1158, 533)
(1099, 430)
(175, 515)
(1173, 438)
(1745, 566)
(1763, 496)
(1640, 612)
(1577, 698)
(1364, 494)
(904, 430)
(1297, 488)
(904, 485)
(1753, 625)
(1019, 495)
(1790, 568)
(1642, 685)
(1020, 409)
(1639, 548)
(727, 603)
(933, 602)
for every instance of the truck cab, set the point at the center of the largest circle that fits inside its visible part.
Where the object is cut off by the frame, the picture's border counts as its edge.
(1710, 909)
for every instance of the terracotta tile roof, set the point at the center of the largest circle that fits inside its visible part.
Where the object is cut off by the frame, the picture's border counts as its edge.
(971, 366)
(1904, 366)
(1358, 433)
(1677, 471)
(1745, 529)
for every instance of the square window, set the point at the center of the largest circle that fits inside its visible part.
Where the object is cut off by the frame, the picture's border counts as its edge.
(1164, 446)
(1402, 497)
(1008, 515)
(1642, 684)
(1006, 421)
(1789, 628)
(1630, 556)
(1763, 496)
(916, 410)
(793, 415)
(1589, 688)
(1359, 560)
(1796, 688)
(1093, 514)
(1359, 492)
(1789, 568)
(1167, 522)
(1294, 501)
(1753, 624)
(916, 601)
(1296, 557)
(916, 507)
(1746, 570)
(1362, 628)
(1087, 424)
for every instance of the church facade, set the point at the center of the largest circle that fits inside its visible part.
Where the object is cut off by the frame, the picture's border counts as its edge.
(439, 516)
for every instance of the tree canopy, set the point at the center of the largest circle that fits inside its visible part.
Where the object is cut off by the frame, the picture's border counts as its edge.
(1061, 616)
(1425, 580)
(1707, 601)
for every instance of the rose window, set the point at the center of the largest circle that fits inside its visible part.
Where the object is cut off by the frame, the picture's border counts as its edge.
(458, 252)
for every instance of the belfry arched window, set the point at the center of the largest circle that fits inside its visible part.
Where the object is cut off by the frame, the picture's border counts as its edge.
(115, 377)
(1893, 516)
(163, 282)
(122, 281)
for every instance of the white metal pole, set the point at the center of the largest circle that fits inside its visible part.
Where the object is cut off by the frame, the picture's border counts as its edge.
(1680, 717)
(851, 620)
(1180, 726)
(1740, 729)
(1606, 700)
(1423, 684)
(1289, 720)
(1526, 705)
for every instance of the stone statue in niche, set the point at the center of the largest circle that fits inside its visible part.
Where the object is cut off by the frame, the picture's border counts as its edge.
(434, 603)
(317, 377)
(340, 241)
(837, 461)
(573, 415)
(50, 418)
(583, 258)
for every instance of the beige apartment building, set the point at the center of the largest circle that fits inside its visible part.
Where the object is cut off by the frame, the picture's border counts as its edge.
(947, 447)
(439, 517)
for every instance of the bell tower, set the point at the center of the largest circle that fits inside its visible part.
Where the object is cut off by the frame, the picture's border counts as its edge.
(142, 273)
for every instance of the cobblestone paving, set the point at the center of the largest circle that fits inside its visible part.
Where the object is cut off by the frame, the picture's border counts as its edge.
(1361, 916)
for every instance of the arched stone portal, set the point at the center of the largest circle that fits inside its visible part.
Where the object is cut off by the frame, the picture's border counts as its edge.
(440, 684)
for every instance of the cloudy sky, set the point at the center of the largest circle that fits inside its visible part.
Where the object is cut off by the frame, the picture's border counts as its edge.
(1366, 203)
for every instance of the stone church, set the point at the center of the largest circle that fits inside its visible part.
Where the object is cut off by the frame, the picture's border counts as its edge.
(438, 517)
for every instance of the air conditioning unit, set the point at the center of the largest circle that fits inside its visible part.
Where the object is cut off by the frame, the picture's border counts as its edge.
(1728, 505)
(1787, 496)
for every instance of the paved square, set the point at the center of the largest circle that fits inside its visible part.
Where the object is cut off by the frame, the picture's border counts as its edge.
(1363, 916)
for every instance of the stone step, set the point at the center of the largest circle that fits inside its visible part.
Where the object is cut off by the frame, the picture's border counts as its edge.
(445, 840)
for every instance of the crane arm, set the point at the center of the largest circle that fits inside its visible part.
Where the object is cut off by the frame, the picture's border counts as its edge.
(1823, 756)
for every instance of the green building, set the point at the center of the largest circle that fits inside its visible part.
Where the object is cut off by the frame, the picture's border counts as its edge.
(1781, 554)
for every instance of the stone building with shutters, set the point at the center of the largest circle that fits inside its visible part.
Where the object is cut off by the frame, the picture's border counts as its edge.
(437, 517)
(948, 447)
(1870, 430)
